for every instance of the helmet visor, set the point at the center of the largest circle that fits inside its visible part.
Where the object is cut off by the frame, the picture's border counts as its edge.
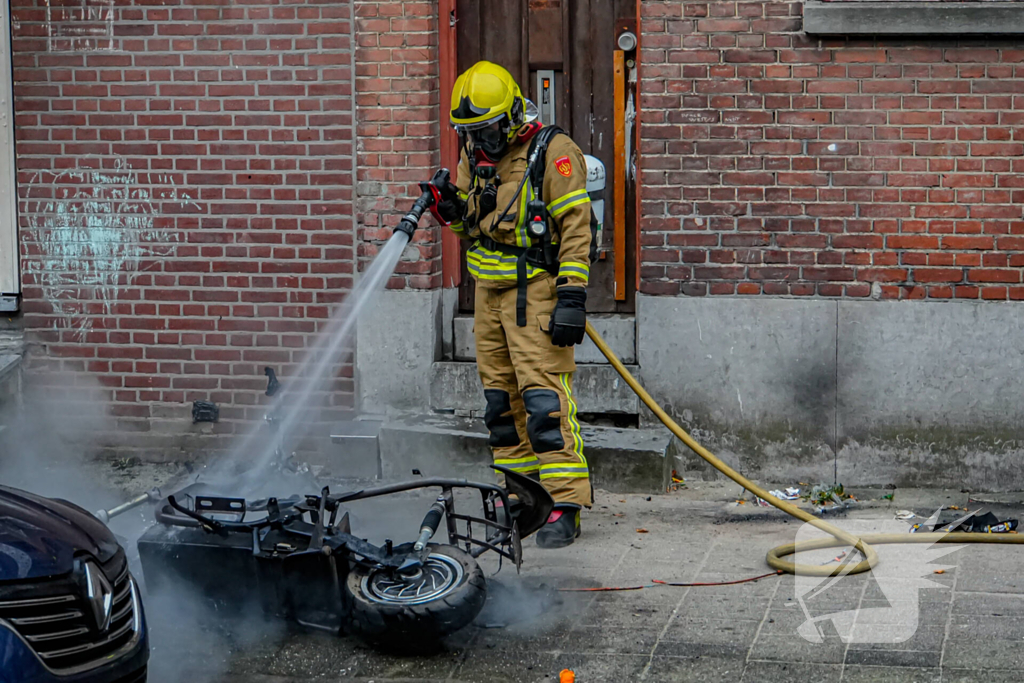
(491, 141)
(465, 128)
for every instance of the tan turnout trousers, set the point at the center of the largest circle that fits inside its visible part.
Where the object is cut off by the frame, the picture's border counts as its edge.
(527, 382)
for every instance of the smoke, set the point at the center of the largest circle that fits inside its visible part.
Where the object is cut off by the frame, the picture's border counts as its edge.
(526, 605)
(52, 445)
(51, 439)
(190, 640)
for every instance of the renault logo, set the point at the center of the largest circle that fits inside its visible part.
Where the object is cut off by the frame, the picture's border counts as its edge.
(99, 596)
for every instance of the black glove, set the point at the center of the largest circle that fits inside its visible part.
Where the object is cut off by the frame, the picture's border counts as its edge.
(489, 200)
(450, 211)
(448, 206)
(569, 319)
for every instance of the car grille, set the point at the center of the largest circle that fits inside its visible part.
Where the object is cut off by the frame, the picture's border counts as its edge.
(56, 623)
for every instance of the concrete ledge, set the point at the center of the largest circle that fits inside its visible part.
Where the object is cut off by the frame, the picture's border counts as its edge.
(10, 378)
(358, 447)
(619, 331)
(910, 18)
(621, 460)
(598, 389)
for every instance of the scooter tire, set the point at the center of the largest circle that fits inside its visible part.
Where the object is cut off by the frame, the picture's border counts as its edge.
(411, 624)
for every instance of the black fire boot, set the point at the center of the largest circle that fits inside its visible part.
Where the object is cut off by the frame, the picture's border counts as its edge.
(562, 528)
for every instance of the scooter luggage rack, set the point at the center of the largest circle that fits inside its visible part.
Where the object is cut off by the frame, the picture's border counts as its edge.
(496, 541)
(529, 513)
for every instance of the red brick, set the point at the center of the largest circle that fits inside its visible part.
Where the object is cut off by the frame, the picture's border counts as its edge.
(938, 274)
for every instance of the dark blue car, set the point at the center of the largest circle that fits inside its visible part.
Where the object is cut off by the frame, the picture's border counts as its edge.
(69, 607)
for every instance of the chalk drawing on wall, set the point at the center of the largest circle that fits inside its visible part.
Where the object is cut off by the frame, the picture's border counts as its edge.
(89, 233)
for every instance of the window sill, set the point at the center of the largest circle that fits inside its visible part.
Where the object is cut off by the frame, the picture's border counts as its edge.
(913, 18)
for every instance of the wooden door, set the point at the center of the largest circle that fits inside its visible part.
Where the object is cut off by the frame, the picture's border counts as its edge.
(577, 40)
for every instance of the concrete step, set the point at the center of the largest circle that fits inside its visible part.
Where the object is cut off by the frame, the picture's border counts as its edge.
(619, 331)
(621, 460)
(456, 387)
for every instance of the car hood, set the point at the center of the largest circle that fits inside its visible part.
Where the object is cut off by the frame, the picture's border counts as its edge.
(40, 537)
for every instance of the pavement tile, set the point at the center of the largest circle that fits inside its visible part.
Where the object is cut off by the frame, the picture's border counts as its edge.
(523, 637)
(894, 658)
(791, 672)
(956, 675)
(782, 622)
(718, 606)
(653, 607)
(875, 674)
(977, 627)
(939, 589)
(323, 655)
(977, 642)
(923, 638)
(986, 569)
(600, 667)
(696, 669)
(629, 640)
(510, 666)
(705, 630)
(717, 637)
(989, 604)
(927, 614)
(796, 649)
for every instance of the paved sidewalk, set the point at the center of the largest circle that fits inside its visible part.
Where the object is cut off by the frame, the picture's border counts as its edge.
(971, 624)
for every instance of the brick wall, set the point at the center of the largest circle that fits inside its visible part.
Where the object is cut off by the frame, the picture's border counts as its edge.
(775, 163)
(397, 97)
(185, 181)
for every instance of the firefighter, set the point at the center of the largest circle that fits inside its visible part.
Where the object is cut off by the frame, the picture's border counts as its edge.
(531, 229)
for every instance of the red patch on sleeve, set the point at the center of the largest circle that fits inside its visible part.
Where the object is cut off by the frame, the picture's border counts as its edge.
(564, 166)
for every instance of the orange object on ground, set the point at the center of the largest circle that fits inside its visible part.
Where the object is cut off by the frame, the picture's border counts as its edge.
(567, 676)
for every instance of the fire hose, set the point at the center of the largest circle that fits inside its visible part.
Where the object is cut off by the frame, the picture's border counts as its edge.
(839, 538)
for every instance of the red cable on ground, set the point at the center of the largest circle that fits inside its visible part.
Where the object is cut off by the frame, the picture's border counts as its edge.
(721, 583)
(601, 589)
(604, 589)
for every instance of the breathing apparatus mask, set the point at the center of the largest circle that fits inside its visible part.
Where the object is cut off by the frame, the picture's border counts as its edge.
(486, 145)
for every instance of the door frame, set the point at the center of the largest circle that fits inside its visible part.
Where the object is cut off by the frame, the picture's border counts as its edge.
(451, 250)
(10, 280)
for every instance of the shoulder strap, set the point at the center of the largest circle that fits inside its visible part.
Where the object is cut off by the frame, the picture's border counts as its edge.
(539, 147)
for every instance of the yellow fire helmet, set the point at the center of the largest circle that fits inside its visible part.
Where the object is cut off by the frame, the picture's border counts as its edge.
(484, 94)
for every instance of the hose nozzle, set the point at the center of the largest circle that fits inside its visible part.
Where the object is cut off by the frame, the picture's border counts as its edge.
(411, 220)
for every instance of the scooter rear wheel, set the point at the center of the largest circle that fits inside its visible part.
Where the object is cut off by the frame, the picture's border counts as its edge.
(409, 611)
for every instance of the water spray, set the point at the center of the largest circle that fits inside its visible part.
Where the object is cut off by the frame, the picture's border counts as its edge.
(293, 401)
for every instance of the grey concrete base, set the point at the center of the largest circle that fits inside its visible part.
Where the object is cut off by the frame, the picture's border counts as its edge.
(448, 446)
(913, 18)
(618, 331)
(597, 388)
(911, 393)
(395, 346)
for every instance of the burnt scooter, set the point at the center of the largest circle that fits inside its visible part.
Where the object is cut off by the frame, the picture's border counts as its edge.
(298, 558)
